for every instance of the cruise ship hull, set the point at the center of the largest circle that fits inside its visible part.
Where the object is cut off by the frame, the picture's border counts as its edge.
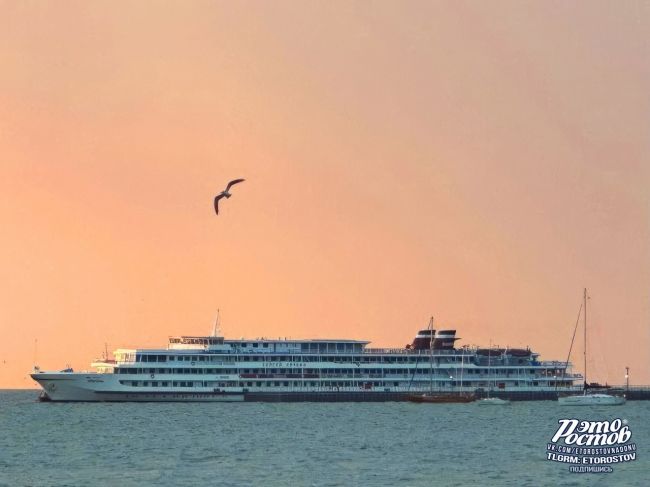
(92, 387)
(70, 387)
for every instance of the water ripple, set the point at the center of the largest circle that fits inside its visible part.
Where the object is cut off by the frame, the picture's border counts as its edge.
(305, 444)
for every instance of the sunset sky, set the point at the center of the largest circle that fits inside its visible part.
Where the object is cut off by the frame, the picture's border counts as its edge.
(481, 162)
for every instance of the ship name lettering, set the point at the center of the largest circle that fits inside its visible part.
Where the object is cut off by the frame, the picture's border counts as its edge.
(286, 364)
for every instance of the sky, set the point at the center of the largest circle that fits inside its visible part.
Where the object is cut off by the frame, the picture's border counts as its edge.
(479, 162)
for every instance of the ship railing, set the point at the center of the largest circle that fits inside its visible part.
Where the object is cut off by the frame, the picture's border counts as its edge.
(553, 363)
(406, 351)
(365, 351)
(468, 352)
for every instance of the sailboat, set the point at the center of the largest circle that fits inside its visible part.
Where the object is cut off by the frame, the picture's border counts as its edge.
(585, 399)
(492, 401)
(440, 397)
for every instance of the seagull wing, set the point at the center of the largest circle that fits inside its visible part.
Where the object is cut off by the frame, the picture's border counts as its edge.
(233, 182)
(216, 203)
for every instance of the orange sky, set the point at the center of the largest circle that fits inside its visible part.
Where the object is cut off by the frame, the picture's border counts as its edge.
(480, 161)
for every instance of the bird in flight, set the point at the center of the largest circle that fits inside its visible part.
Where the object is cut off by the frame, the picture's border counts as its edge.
(225, 193)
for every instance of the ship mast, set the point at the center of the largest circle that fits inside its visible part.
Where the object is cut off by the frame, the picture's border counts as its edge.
(215, 329)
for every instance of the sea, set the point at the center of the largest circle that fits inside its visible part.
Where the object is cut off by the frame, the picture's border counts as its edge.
(301, 444)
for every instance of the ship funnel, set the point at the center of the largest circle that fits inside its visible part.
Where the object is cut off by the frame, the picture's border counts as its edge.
(422, 340)
(444, 340)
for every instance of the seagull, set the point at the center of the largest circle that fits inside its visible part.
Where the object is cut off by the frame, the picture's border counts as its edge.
(225, 193)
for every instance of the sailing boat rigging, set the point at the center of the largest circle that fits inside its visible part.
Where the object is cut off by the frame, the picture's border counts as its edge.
(440, 397)
(585, 399)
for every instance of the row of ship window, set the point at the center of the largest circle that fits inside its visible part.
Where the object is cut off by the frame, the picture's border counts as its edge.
(308, 358)
(306, 347)
(154, 383)
(181, 383)
(199, 371)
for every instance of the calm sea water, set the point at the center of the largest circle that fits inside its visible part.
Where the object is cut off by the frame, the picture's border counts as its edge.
(310, 444)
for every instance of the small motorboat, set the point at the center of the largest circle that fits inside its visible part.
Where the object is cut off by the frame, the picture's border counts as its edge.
(493, 401)
(592, 400)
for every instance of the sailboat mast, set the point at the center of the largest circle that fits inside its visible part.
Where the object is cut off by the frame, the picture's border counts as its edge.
(431, 355)
(489, 367)
(585, 336)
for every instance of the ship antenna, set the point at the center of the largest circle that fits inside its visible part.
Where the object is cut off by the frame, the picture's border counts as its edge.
(215, 329)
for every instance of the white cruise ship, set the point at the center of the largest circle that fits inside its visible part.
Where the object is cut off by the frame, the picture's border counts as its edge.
(211, 368)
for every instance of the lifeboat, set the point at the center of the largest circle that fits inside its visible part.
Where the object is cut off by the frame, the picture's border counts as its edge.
(493, 352)
(519, 352)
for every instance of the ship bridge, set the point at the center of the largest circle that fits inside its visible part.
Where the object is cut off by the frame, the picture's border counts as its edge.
(317, 346)
(212, 343)
(266, 345)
